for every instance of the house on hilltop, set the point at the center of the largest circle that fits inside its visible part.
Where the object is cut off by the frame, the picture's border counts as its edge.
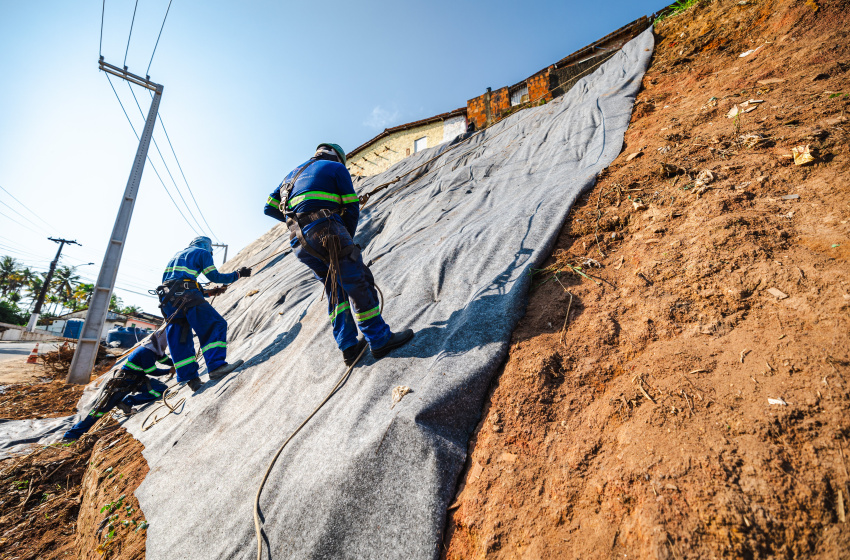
(396, 143)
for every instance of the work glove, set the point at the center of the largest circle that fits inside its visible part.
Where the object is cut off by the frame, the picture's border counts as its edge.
(244, 272)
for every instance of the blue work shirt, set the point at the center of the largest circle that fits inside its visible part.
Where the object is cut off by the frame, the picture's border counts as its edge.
(325, 184)
(192, 261)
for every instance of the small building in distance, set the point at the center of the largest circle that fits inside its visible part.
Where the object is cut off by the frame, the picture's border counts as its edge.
(552, 81)
(140, 320)
(396, 143)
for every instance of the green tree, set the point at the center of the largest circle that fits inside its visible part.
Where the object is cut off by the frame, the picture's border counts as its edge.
(11, 313)
(65, 283)
(115, 304)
(8, 269)
(34, 288)
(82, 296)
(131, 310)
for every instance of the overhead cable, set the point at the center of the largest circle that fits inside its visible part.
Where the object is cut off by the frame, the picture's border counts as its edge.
(164, 163)
(21, 215)
(27, 208)
(149, 159)
(180, 167)
(148, 71)
(131, 33)
(20, 224)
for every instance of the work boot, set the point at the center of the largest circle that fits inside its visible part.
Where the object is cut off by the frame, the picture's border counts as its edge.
(223, 370)
(396, 340)
(195, 384)
(125, 408)
(350, 354)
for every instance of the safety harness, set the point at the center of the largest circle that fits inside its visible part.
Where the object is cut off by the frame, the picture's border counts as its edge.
(183, 293)
(295, 222)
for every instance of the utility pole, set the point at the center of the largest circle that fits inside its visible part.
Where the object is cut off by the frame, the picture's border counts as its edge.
(86, 353)
(44, 287)
(225, 250)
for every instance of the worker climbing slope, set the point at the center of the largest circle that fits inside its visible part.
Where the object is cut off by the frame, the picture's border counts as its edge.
(318, 203)
(182, 299)
(130, 385)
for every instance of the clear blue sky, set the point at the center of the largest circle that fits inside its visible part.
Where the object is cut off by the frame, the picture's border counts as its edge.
(250, 89)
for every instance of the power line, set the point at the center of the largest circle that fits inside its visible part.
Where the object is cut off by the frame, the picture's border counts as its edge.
(148, 71)
(102, 12)
(19, 214)
(27, 208)
(180, 167)
(20, 224)
(131, 33)
(167, 170)
(149, 159)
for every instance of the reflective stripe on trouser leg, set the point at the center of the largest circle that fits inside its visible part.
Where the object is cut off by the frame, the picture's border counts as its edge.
(212, 333)
(344, 329)
(183, 354)
(141, 360)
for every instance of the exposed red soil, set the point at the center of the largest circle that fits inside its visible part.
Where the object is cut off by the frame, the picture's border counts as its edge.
(643, 429)
(75, 501)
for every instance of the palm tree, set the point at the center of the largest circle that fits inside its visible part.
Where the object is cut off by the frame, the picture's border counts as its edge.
(8, 267)
(115, 304)
(131, 310)
(34, 288)
(82, 295)
(65, 283)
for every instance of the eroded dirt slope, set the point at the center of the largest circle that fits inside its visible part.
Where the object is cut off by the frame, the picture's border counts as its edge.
(644, 428)
(75, 500)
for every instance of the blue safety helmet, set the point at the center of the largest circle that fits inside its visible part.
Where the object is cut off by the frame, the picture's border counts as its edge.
(202, 242)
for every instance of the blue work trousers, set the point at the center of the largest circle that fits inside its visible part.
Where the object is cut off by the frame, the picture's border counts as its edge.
(355, 287)
(140, 394)
(210, 327)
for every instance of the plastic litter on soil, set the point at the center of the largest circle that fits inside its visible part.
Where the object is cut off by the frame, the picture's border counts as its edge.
(453, 253)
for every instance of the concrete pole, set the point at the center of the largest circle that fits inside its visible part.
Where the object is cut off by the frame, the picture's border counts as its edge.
(86, 353)
(31, 324)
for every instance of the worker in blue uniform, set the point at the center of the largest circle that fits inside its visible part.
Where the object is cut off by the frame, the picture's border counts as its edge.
(130, 385)
(318, 203)
(182, 301)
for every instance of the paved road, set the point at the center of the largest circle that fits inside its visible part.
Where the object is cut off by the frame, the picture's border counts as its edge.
(14, 350)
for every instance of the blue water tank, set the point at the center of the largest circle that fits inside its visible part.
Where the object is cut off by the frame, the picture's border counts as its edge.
(126, 337)
(73, 328)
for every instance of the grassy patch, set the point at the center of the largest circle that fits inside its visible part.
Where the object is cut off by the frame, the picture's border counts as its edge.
(676, 9)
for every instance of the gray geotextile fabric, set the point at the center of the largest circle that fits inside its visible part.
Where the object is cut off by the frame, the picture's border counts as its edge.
(453, 251)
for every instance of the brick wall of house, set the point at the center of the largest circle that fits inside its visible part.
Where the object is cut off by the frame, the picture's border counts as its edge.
(476, 110)
(538, 86)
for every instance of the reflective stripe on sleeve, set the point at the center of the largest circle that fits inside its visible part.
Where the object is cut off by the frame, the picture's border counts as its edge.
(272, 201)
(350, 198)
(208, 269)
(314, 195)
(339, 309)
(194, 273)
(366, 315)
